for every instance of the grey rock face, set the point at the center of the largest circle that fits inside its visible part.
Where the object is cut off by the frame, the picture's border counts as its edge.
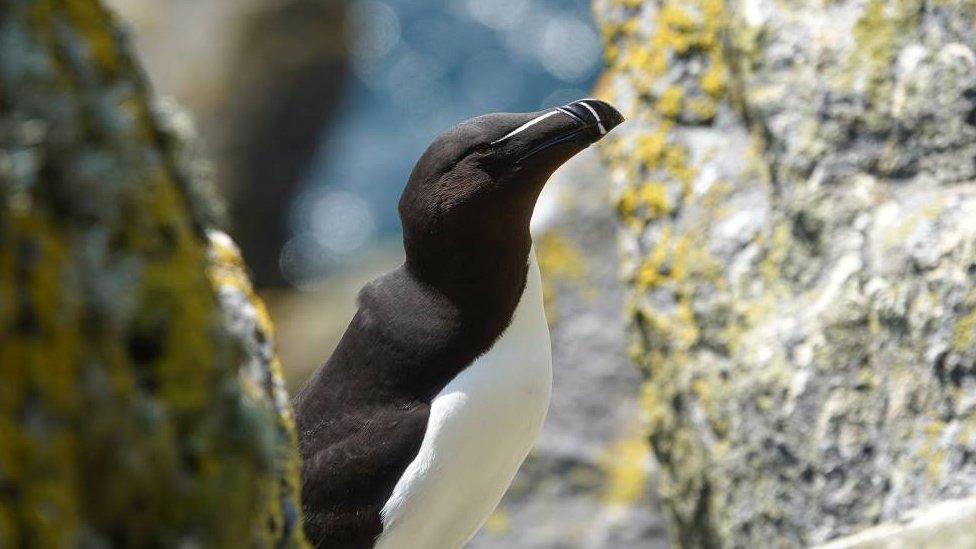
(795, 183)
(947, 524)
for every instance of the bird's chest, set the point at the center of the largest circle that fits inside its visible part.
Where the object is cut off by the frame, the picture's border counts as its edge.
(481, 427)
(492, 411)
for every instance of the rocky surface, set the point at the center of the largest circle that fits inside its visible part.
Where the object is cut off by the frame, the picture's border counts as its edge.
(140, 401)
(589, 482)
(796, 187)
(947, 524)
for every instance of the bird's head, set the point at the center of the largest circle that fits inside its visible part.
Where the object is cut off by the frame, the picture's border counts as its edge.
(471, 195)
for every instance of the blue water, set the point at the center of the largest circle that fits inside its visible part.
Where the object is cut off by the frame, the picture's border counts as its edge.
(420, 66)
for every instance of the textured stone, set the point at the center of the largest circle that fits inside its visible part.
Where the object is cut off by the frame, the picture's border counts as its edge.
(947, 524)
(140, 402)
(796, 187)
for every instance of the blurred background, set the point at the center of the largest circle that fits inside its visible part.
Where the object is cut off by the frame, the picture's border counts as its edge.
(315, 110)
(313, 113)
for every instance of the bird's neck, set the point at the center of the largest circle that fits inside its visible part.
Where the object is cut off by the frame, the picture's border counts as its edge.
(481, 282)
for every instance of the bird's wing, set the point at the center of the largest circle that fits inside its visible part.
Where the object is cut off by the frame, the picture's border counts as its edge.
(347, 482)
(362, 415)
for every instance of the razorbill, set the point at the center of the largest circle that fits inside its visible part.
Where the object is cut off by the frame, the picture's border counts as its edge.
(412, 431)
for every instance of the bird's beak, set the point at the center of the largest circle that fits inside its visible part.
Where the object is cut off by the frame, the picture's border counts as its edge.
(574, 126)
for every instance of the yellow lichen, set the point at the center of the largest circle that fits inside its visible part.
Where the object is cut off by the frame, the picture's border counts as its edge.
(776, 253)
(678, 69)
(226, 269)
(932, 452)
(89, 18)
(882, 27)
(499, 523)
(560, 262)
(41, 364)
(652, 271)
(670, 103)
(713, 82)
(682, 28)
(964, 332)
(646, 202)
(625, 464)
(702, 108)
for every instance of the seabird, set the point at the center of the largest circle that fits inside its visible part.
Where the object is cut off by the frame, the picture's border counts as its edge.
(413, 430)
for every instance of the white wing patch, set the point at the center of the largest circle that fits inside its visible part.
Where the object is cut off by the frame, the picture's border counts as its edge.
(481, 427)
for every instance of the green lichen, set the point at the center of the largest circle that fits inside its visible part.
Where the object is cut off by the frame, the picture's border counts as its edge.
(964, 332)
(777, 253)
(123, 419)
(879, 33)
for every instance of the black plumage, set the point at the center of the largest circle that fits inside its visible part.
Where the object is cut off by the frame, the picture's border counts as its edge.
(465, 212)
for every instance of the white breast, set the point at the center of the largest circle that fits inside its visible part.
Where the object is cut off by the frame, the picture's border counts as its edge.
(481, 427)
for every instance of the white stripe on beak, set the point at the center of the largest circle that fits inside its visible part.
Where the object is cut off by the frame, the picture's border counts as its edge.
(569, 114)
(599, 123)
(525, 126)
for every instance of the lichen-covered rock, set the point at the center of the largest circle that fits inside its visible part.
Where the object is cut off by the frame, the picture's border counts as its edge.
(247, 320)
(949, 524)
(139, 402)
(796, 181)
(590, 481)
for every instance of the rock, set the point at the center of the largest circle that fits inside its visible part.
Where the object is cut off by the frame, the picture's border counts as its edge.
(260, 374)
(795, 182)
(140, 403)
(589, 482)
(948, 524)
